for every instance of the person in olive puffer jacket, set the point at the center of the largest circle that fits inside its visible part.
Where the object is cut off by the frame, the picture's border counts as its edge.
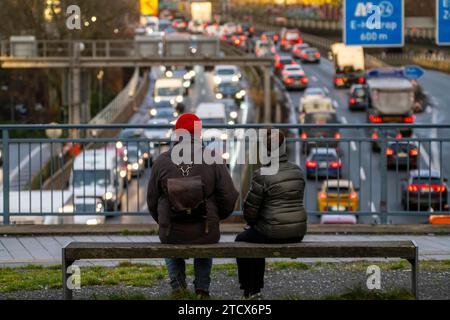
(275, 213)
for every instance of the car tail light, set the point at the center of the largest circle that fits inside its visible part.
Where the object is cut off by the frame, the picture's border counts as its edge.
(276, 37)
(410, 119)
(362, 80)
(389, 152)
(375, 119)
(278, 65)
(223, 38)
(233, 38)
(263, 37)
(251, 29)
(413, 152)
(311, 164)
(237, 42)
(322, 195)
(299, 40)
(175, 24)
(304, 136)
(337, 135)
(273, 50)
(317, 54)
(375, 136)
(304, 80)
(352, 101)
(205, 25)
(184, 24)
(297, 51)
(284, 42)
(289, 80)
(398, 136)
(339, 81)
(353, 195)
(243, 38)
(413, 188)
(276, 57)
(336, 164)
(438, 188)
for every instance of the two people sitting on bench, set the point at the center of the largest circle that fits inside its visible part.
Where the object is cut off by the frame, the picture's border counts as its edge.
(188, 199)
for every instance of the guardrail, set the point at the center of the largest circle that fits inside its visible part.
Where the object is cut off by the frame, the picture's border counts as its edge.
(363, 172)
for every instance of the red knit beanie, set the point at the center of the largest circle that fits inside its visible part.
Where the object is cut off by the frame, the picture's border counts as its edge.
(186, 121)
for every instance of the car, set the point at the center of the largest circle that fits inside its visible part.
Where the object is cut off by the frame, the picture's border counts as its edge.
(298, 49)
(315, 134)
(270, 35)
(280, 61)
(230, 89)
(314, 103)
(311, 55)
(425, 189)
(169, 89)
(196, 26)
(226, 73)
(289, 38)
(134, 159)
(264, 48)
(163, 109)
(402, 155)
(337, 196)
(377, 135)
(178, 72)
(238, 40)
(358, 97)
(180, 25)
(136, 137)
(294, 77)
(212, 113)
(167, 113)
(230, 27)
(161, 136)
(232, 110)
(315, 92)
(323, 163)
(248, 29)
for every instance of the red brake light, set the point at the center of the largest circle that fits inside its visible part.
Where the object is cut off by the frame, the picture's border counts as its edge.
(398, 136)
(322, 195)
(389, 152)
(273, 50)
(304, 136)
(299, 40)
(337, 135)
(305, 80)
(413, 188)
(413, 152)
(375, 136)
(352, 101)
(362, 80)
(336, 164)
(339, 81)
(317, 54)
(276, 37)
(278, 65)
(353, 195)
(410, 119)
(223, 38)
(289, 80)
(311, 164)
(438, 188)
(375, 119)
(252, 29)
(284, 42)
(233, 38)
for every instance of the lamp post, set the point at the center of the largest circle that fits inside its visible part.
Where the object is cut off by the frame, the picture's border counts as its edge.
(100, 76)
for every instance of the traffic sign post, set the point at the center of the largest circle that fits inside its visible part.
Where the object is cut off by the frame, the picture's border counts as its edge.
(443, 22)
(413, 72)
(374, 23)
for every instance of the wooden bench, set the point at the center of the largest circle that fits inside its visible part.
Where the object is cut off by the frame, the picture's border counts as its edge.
(129, 250)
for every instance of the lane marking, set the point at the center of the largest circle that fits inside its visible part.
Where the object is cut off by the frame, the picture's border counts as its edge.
(353, 146)
(335, 104)
(372, 207)
(314, 78)
(25, 161)
(362, 174)
(344, 120)
(326, 90)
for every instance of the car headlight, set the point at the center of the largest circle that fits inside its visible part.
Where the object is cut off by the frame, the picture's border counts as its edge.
(108, 196)
(99, 207)
(125, 158)
(67, 209)
(91, 222)
(119, 145)
(235, 79)
(129, 166)
(172, 101)
(217, 80)
(145, 155)
(225, 156)
(187, 76)
(219, 96)
(123, 173)
(141, 162)
(169, 74)
(175, 114)
(157, 99)
(179, 99)
(242, 92)
(135, 166)
(233, 115)
(192, 74)
(231, 122)
(153, 112)
(186, 84)
(223, 136)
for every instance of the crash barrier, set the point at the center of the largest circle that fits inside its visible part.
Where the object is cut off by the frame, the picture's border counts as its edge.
(75, 251)
(356, 173)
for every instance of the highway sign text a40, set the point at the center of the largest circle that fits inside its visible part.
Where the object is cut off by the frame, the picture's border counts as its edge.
(374, 23)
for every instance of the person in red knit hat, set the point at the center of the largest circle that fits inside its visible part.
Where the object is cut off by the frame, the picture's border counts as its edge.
(188, 200)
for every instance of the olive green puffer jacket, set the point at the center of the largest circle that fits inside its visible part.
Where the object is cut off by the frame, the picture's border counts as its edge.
(274, 204)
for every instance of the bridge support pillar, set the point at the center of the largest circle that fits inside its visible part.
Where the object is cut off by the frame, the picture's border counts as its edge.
(267, 95)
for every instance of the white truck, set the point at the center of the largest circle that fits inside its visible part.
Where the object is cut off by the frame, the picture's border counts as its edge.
(212, 113)
(349, 65)
(96, 181)
(201, 11)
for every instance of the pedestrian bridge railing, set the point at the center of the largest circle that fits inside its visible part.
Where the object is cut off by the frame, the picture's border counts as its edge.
(365, 173)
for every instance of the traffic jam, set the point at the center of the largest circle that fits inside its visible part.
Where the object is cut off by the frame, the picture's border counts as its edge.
(326, 87)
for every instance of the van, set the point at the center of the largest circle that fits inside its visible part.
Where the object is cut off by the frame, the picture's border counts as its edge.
(315, 104)
(97, 180)
(169, 89)
(212, 114)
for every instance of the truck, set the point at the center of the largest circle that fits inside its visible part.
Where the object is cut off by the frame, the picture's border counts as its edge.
(349, 65)
(201, 11)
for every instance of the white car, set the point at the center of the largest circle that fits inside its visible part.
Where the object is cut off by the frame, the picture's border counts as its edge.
(226, 74)
(157, 133)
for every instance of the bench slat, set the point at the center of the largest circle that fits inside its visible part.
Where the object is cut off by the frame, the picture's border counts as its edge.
(348, 249)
